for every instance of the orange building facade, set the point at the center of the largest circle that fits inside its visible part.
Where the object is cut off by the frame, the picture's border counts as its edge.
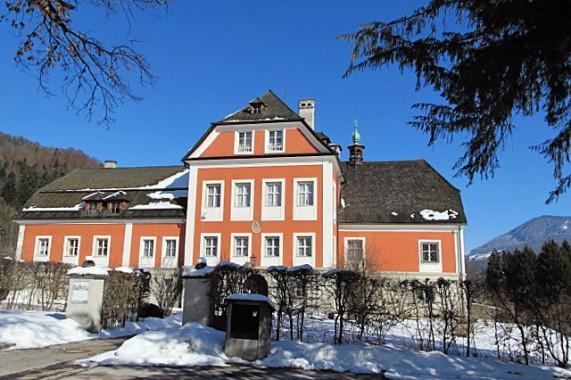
(260, 187)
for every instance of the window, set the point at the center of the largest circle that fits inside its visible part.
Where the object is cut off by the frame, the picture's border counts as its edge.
(275, 141)
(213, 196)
(305, 193)
(101, 247)
(244, 142)
(71, 246)
(211, 246)
(241, 246)
(148, 247)
(170, 247)
(355, 249)
(304, 246)
(43, 246)
(273, 246)
(430, 252)
(114, 207)
(273, 194)
(242, 195)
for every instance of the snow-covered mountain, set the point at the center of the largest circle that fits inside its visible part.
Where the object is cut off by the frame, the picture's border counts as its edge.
(532, 233)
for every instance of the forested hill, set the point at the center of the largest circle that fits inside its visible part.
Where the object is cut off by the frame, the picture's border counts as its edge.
(26, 166)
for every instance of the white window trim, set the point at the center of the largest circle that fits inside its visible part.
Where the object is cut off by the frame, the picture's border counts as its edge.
(237, 141)
(210, 260)
(346, 247)
(164, 247)
(273, 212)
(210, 214)
(66, 245)
(101, 260)
(242, 212)
(142, 246)
(240, 259)
(304, 212)
(300, 260)
(37, 256)
(169, 261)
(267, 149)
(147, 261)
(427, 266)
(265, 260)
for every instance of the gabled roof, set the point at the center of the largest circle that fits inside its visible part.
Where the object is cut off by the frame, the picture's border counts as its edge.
(407, 192)
(150, 192)
(273, 108)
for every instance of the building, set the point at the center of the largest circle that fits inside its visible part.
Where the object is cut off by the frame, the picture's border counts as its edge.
(263, 187)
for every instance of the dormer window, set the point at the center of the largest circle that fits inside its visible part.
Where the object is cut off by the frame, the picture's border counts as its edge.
(256, 107)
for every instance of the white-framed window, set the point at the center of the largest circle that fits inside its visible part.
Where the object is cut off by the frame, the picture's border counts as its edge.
(273, 199)
(304, 246)
(429, 252)
(170, 247)
(273, 194)
(354, 253)
(244, 142)
(430, 256)
(275, 141)
(101, 246)
(169, 251)
(241, 246)
(212, 201)
(242, 195)
(305, 193)
(213, 194)
(71, 246)
(210, 246)
(271, 249)
(305, 201)
(42, 249)
(148, 247)
(273, 246)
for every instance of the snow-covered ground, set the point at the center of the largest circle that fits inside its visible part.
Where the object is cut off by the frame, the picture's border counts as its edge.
(165, 342)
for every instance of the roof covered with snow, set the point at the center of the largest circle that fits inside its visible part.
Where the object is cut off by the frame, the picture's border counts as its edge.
(149, 192)
(398, 192)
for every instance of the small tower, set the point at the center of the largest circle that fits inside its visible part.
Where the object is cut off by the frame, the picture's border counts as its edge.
(356, 150)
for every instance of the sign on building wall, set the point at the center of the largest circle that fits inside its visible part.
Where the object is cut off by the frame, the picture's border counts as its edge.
(80, 291)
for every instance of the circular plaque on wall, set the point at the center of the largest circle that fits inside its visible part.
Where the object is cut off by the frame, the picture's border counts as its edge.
(256, 226)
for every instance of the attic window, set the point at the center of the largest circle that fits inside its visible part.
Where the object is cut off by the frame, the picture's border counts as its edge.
(256, 107)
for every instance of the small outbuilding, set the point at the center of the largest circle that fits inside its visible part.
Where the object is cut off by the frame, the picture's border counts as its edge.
(249, 326)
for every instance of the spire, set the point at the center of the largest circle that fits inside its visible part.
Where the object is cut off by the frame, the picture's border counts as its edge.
(356, 150)
(356, 136)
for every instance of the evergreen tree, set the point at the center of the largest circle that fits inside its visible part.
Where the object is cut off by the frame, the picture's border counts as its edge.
(489, 60)
(521, 285)
(553, 272)
(9, 190)
(494, 274)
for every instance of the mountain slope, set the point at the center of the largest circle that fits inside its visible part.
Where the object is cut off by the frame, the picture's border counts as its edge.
(25, 166)
(532, 233)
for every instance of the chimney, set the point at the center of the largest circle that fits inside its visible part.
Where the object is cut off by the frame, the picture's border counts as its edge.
(110, 164)
(307, 111)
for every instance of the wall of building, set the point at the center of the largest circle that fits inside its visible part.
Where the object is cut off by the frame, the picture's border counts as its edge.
(399, 251)
(124, 242)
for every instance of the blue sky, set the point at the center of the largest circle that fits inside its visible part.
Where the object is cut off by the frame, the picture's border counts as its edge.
(212, 57)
